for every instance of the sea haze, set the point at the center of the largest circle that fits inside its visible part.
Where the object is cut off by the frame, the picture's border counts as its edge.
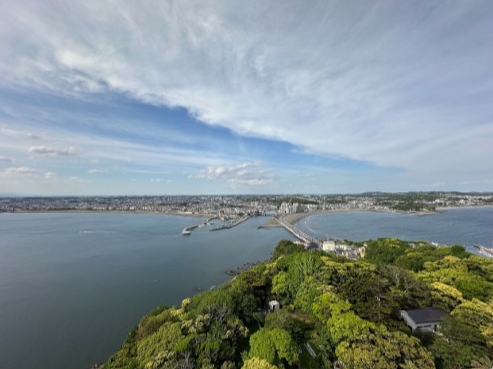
(73, 285)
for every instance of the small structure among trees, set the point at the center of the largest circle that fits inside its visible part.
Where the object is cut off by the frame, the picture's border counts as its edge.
(274, 305)
(426, 319)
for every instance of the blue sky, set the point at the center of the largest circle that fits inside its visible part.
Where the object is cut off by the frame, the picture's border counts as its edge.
(216, 97)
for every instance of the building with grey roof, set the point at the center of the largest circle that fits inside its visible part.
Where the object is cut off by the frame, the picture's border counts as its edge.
(426, 319)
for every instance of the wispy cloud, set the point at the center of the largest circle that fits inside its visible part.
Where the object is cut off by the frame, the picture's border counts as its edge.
(97, 171)
(4, 159)
(250, 174)
(50, 175)
(16, 172)
(27, 171)
(160, 180)
(51, 151)
(336, 95)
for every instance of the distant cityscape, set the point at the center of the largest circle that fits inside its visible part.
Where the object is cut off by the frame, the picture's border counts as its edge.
(249, 204)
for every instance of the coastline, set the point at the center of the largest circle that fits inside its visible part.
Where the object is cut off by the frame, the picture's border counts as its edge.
(293, 218)
(173, 213)
(271, 223)
(445, 208)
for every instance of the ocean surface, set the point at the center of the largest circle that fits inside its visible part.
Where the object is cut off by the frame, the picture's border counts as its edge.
(461, 226)
(73, 285)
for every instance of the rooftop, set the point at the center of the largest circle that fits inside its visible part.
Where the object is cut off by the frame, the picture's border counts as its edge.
(426, 315)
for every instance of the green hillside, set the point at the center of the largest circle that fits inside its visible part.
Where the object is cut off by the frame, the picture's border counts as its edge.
(334, 311)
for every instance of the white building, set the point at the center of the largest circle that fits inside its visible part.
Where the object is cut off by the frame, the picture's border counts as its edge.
(329, 246)
(274, 305)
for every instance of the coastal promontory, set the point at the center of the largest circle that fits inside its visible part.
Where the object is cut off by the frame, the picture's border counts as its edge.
(305, 309)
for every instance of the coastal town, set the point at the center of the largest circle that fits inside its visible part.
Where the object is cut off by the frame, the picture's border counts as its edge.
(283, 210)
(238, 205)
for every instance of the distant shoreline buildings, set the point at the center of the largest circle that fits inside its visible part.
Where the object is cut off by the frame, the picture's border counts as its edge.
(422, 202)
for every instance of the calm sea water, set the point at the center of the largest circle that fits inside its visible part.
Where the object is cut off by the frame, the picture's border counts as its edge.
(73, 285)
(465, 226)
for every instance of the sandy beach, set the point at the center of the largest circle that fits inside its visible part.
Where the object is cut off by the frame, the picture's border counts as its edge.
(292, 218)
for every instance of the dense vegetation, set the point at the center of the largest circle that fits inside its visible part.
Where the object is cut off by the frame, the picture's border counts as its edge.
(345, 312)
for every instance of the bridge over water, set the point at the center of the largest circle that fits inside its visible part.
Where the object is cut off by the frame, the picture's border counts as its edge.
(302, 236)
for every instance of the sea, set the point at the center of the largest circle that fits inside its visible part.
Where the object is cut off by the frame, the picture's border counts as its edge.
(455, 226)
(72, 285)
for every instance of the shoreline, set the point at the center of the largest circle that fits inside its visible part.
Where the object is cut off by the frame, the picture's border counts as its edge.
(271, 223)
(293, 218)
(440, 209)
(172, 213)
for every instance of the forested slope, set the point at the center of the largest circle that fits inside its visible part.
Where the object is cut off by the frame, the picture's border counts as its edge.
(346, 311)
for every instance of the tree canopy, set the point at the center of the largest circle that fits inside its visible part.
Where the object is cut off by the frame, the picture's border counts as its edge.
(346, 311)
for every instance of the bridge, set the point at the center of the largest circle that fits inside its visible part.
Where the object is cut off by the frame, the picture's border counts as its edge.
(302, 236)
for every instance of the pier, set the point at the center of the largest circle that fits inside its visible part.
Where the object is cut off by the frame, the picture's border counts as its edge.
(227, 226)
(188, 230)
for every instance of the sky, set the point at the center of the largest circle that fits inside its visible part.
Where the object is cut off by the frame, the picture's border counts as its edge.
(106, 97)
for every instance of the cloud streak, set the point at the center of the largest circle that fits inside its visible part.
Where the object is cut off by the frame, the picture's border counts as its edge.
(50, 151)
(21, 171)
(4, 159)
(249, 174)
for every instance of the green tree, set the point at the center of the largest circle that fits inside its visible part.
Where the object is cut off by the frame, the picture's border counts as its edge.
(282, 319)
(329, 304)
(273, 345)
(385, 250)
(459, 273)
(368, 292)
(446, 296)
(286, 247)
(477, 315)
(457, 344)
(295, 268)
(381, 349)
(308, 291)
(257, 363)
(482, 363)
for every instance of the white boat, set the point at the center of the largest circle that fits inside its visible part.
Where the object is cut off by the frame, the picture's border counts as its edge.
(186, 232)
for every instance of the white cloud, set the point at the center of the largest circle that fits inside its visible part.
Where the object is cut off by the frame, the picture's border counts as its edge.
(116, 155)
(50, 175)
(4, 159)
(97, 171)
(21, 170)
(250, 174)
(391, 83)
(50, 151)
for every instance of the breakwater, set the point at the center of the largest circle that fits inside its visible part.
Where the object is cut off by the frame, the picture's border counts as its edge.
(231, 225)
(188, 230)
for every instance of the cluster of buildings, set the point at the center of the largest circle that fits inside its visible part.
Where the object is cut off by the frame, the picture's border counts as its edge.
(342, 249)
(201, 205)
(293, 208)
(241, 204)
